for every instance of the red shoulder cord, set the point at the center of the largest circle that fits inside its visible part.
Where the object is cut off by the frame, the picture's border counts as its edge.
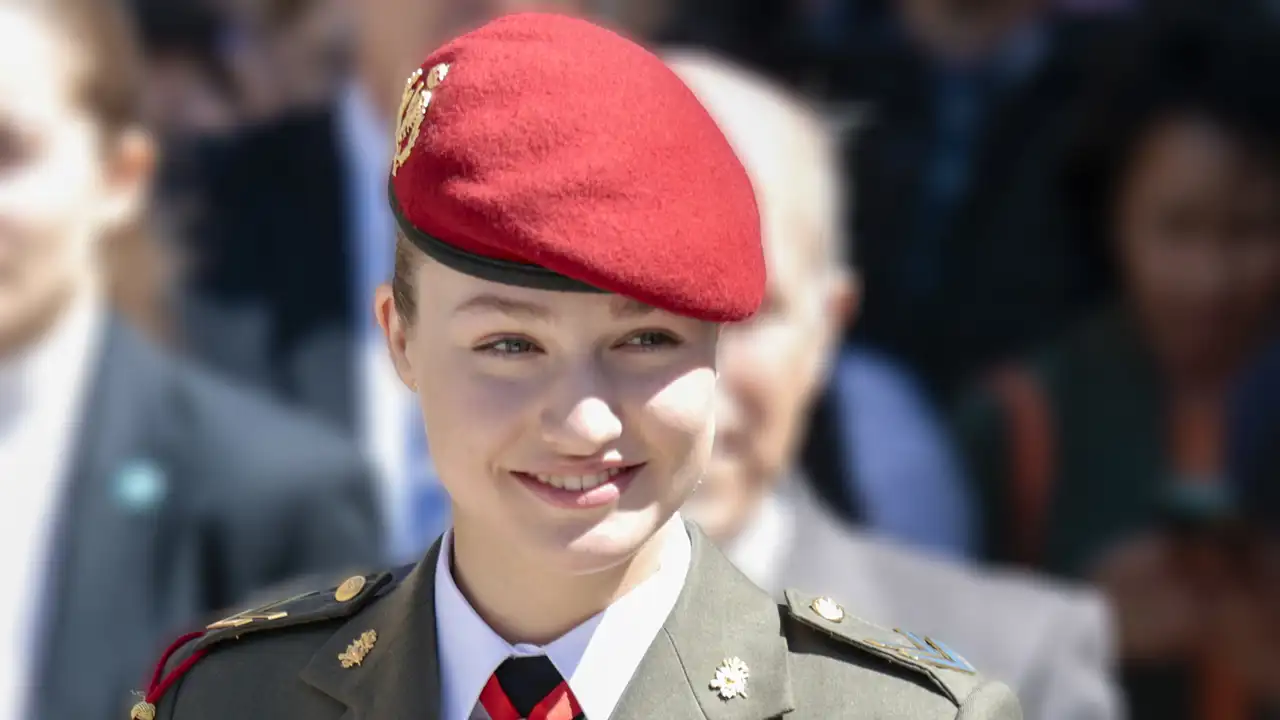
(159, 685)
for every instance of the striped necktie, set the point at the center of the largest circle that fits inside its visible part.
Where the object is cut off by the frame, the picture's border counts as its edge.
(529, 688)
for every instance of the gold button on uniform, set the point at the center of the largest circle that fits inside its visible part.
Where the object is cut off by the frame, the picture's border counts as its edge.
(828, 609)
(349, 588)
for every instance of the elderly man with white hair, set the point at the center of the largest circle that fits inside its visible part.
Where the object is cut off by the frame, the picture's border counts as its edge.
(1050, 642)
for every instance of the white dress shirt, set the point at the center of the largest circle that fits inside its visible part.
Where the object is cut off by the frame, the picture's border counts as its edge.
(43, 389)
(597, 658)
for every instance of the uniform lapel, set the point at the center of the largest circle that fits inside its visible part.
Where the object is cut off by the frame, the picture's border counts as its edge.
(720, 615)
(399, 677)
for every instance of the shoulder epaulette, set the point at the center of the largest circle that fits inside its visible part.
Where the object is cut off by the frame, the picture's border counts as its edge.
(315, 606)
(310, 607)
(947, 669)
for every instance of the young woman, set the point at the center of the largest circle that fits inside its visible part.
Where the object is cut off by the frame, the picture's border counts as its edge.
(574, 231)
(136, 493)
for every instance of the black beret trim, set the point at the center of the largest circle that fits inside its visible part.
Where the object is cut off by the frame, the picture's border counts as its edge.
(485, 268)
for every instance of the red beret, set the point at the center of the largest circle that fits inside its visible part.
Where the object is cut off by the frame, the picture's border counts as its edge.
(544, 151)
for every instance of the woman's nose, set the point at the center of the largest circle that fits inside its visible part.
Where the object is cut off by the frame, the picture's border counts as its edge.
(589, 427)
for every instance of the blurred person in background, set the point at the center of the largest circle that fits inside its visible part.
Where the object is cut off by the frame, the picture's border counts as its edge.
(954, 116)
(282, 56)
(962, 241)
(188, 90)
(139, 495)
(188, 98)
(297, 323)
(1102, 457)
(961, 109)
(1049, 641)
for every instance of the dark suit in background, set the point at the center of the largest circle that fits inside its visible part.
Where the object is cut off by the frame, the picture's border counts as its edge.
(272, 297)
(954, 172)
(186, 495)
(962, 241)
(1253, 439)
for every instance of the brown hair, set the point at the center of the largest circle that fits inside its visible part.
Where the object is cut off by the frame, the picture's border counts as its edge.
(407, 258)
(110, 86)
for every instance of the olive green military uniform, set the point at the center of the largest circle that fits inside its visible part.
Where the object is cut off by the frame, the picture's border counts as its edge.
(332, 655)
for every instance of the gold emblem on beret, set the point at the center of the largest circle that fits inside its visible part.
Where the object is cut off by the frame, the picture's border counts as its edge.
(827, 609)
(413, 110)
(349, 588)
(143, 711)
(358, 649)
(731, 679)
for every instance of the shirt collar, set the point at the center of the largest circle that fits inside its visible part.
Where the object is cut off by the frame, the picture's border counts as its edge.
(758, 548)
(54, 366)
(598, 657)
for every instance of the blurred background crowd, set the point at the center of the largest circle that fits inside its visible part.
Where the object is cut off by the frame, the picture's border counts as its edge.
(1020, 344)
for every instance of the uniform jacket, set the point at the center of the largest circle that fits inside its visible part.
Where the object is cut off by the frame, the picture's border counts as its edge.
(1050, 642)
(801, 663)
(186, 495)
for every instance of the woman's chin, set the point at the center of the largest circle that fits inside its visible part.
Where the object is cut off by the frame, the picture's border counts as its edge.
(605, 545)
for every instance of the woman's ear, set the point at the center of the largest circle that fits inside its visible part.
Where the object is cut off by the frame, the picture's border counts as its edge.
(843, 304)
(396, 332)
(130, 168)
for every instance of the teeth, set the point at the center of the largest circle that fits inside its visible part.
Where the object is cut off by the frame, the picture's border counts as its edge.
(577, 482)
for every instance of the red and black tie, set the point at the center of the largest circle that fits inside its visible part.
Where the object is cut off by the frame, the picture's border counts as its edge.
(529, 688)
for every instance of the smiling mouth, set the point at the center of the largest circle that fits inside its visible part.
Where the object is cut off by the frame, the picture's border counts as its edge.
(576, 483)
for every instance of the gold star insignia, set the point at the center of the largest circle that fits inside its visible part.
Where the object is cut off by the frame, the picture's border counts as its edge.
(358, 649)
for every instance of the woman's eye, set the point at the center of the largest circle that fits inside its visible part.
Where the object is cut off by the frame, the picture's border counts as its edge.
(651, 340)
(508, 347)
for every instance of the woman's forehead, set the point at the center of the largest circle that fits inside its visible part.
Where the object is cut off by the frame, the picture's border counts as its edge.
(454, 293)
